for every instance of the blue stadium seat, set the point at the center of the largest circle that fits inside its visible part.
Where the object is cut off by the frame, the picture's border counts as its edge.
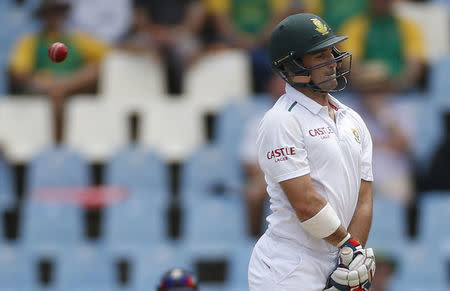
(53, 222)
(122, 254)
(214, 220)
(151, 263)
(50, 226)
(434, 218)
(420, 268)
(7, 194)
(57, 167)
(134, 223)
(209, 172)
(85, 267)
(388, 223)
(429, 125)
(142, 172)
(238, 279)
(215, 286)
(212, 230)
(17, 269)
(199, 255)
(439, 72)
(3, 75)
(231, 120)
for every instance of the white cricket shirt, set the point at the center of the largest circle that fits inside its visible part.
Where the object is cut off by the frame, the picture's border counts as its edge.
(297, 137)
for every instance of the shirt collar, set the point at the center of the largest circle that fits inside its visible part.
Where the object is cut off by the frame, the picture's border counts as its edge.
(310, 104)
(336, 103)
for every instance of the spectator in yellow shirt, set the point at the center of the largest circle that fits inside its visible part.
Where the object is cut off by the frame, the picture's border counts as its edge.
(336, 12)
(246, 23)
(32, 72)
(388, 51)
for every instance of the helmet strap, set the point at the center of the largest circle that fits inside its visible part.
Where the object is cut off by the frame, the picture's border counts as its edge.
(342, 83)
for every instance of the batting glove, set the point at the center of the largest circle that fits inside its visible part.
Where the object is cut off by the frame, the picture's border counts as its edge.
(355, 269)
(364, 264)
(352, 243)
(342, 279)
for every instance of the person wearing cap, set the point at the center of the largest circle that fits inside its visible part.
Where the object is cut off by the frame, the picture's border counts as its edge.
(32, 72)
(316, 154)
(178, 279)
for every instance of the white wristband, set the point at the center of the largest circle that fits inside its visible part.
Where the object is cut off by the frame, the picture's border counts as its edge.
(323, 224)
(346, 238)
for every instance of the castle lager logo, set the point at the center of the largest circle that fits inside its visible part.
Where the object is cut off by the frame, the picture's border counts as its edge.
(322, 132)
(281, 154)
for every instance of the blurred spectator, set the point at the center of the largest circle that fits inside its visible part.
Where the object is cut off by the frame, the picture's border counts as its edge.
(247, 24)
(388, 58)
(438, 176)
(137, 38)
(336, 12)
(105, 19)
(255, 184)
(32, 72)
(386, 269)
(388, 51)
(174, 26)
(177, 279)
(392, 159)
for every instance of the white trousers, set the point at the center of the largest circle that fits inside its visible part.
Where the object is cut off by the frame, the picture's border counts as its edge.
(282, 265)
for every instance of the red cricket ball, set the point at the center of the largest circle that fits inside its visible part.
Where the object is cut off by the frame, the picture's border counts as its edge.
(57, 52)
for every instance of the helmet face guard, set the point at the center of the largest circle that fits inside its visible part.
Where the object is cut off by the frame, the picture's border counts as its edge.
(291, 66)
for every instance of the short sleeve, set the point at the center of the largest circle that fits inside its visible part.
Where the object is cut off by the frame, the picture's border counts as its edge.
(279, 6)
(220, 7)
(366, 158)
(22, 59)
(413, 40)
(281, 149)
(93, 49)
(356, 29)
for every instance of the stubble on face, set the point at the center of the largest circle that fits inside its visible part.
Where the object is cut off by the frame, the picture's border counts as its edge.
(324, 77)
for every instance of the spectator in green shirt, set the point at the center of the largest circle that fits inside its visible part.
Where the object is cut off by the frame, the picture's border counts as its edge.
(32, 72)
(388, 50)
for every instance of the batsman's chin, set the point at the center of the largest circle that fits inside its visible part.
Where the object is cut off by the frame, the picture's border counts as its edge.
(330, 84)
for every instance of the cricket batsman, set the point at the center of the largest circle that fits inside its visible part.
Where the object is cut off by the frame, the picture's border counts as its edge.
(316, 154)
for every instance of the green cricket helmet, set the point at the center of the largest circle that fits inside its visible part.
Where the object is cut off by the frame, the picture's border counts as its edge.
(302, 34)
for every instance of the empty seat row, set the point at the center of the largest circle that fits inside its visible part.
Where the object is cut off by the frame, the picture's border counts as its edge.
(56, 225)
(135, 174)
(90, 267)
(58, 186)
(97, 128)
(389, 224)
(129, 78)
(140, 171)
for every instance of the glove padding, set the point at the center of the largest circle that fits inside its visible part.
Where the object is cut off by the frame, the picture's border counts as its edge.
(342, 279)
(358, 275)
(364, 263)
